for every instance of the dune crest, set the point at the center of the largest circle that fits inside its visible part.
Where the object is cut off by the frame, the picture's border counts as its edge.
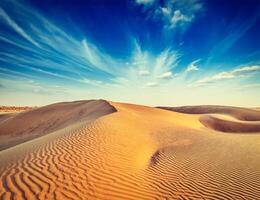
(22, 127)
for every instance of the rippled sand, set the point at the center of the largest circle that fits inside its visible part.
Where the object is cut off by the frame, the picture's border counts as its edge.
(137, 152)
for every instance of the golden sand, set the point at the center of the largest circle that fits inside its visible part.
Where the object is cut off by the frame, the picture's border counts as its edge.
(137, 152)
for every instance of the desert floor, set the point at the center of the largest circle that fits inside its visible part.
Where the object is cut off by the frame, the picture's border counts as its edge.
(101, 150)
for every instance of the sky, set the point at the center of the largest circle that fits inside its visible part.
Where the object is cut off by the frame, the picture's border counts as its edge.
(151, 52)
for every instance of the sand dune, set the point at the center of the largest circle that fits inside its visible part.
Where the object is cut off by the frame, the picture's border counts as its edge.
(137, 152)
(15, 129)
(224, 118)
(245, 114)
(229, 126)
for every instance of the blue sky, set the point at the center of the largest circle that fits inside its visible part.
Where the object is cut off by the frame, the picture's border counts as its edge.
(153, 52)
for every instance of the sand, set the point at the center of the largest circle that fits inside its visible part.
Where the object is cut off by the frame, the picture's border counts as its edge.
(224, 118)
(234, 126)
(245, 114)
(24, 126)
(9, 109)
(135, 152)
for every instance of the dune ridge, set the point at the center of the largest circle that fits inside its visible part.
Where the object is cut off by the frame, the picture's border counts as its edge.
(24, 126)
(137, 152)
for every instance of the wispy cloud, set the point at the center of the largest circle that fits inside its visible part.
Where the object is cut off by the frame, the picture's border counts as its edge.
(166, 75)
(229, 74)
(16, 27)
(247, 69)
(50, 51)
(193, 66)
(147, 69)
(99, 59)
(179, 18)
(152, 84)
(53, 53)
(217, 77)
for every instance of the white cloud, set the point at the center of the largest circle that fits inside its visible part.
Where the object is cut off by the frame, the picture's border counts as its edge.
(166, 75)
(238, 72)
(165, 62)
(97, 58)
(166, 11)
(148, 69)
(179, 19)
(173, 13)
(152, 84)
(192, 66)
(247, 69)
(217, 77)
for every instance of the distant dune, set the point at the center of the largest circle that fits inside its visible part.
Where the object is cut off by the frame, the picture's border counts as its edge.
(245, 114)
(108, 150)
(15, 129)
(217, 117)
(229, 126)
(14, 108)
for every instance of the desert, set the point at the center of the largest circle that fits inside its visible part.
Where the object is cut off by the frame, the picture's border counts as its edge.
(129, 100)
(99, 149)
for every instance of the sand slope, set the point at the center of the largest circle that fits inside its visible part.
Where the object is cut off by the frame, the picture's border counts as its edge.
(18, 128)
(137, 152)
(224, 118)
(232, 126)
(5, 116)
(245, 114)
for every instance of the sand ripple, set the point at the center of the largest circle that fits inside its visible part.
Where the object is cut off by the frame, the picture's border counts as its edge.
(135, 153)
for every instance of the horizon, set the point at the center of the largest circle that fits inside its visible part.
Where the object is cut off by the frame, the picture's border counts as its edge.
(149, 52)
(131, 103)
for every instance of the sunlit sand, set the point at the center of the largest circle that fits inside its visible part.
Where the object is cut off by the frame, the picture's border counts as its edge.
(125, 151)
